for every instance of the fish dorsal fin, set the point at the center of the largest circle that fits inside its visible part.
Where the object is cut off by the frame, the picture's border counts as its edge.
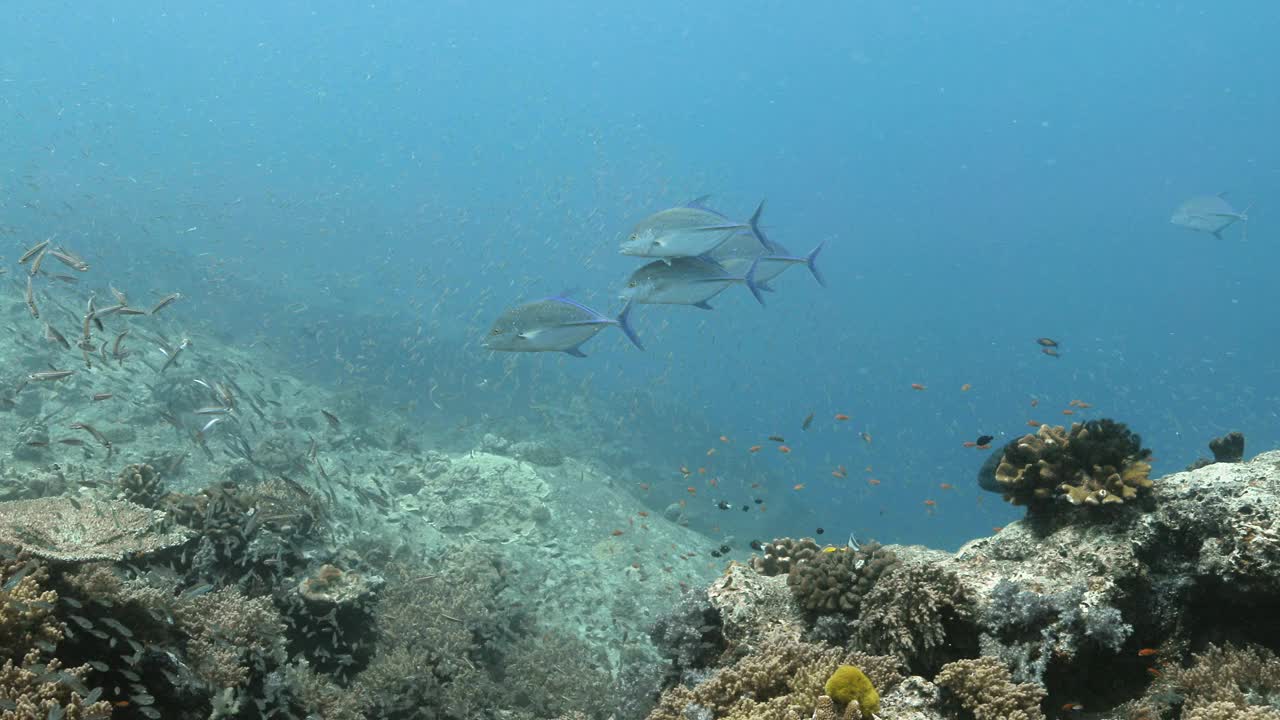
(699, 202)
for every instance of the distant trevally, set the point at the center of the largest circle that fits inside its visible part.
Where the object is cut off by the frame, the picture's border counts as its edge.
(554, 324)
(686, 281)
(1211, 214)
(685, 231)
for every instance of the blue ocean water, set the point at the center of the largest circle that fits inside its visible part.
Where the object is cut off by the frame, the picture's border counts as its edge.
(365, 187)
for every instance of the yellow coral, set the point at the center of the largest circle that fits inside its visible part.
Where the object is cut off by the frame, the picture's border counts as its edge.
(848, 683)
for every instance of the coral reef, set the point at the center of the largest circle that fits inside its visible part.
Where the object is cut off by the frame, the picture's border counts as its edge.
(1028, 630)
(1227, 681)
(690, 636)
(780, 676)
(780, 555)
(983, 687)
(140, 484)
(1226, 449)
(921, 614)
(1099, 462)
(836, 581)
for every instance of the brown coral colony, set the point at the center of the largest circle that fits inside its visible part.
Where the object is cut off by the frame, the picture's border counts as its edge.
(1096, 463)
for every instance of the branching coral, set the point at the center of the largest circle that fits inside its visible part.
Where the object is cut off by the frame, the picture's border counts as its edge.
(140, 483)
(230, 634)
(910, 613)
(1240, 678)
(781, 676)
(837, 581)
(26, 608)
(984, 687)
(1100, 462)
(36, 690)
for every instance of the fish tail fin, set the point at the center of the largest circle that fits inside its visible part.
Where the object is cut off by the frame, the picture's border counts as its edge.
(754, 222)
(1217, 234)
(575, 351)
(811, 261)
(750, 280)
(624, 322)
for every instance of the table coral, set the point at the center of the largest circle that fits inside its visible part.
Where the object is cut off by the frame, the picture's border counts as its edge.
(82, 530)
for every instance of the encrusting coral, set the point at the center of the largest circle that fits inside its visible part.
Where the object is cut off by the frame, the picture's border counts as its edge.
(1100, 462)
(984, 687)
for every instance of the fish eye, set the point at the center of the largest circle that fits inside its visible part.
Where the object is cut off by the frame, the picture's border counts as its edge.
(633, 283)
(495, 331)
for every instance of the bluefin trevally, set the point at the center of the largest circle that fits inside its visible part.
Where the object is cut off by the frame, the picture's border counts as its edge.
(685, 231)
(743, 249)
(686, 281)
(1211, 214)
(554, 324)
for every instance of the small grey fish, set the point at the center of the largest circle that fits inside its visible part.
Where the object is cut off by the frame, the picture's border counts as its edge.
(686, 281)
(32, 252)
(685, 231)
(1211, 214)
(52, 335)
(554, 324)
(46, 375)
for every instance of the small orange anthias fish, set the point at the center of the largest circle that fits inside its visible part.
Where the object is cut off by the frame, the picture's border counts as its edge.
(724, 438)
(945, 486)
(917, 386)
(970, 443)
(1068, 412)
(1072, 707)
(841, 417)
(1033, 423)
(873, 482)
(1148, 652)
(798, 486)
(930, 503)
(784, 449)
(754, 448)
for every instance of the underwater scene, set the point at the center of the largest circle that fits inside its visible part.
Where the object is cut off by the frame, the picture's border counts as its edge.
(572, 360)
